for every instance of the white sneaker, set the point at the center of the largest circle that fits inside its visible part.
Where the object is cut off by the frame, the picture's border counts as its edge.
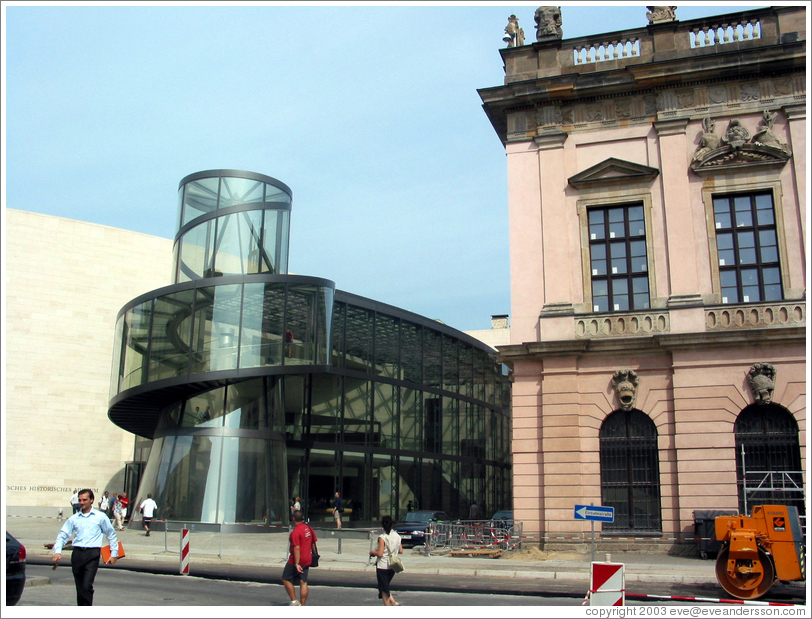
(295, 603)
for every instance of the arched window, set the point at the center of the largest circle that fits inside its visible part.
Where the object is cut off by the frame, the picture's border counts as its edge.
(768, 458)
(630, 471)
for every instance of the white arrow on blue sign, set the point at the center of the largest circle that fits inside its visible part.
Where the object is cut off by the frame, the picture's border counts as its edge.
(595, 512)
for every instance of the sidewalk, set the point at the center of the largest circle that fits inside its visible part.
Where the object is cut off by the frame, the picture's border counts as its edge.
(270, 550)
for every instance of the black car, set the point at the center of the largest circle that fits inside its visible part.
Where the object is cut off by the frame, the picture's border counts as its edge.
(15, 570)
(412, 529)
(503, 518)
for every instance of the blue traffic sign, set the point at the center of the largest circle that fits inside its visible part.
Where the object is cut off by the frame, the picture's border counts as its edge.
(595, 512)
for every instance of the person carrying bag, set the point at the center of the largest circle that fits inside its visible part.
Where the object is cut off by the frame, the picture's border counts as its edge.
(388, 562)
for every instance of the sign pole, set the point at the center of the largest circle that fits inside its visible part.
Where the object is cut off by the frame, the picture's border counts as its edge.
(592, 554)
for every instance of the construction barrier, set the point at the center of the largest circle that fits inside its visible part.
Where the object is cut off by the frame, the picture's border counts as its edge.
(607, 584)
(184, 552)
(682, 598)
(471, 534)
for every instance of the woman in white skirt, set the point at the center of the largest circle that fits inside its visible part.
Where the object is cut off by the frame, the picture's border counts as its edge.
(388, 545)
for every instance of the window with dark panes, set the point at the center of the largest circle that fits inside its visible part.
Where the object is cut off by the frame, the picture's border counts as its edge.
(630, 471)
(618, 258)
(747, 245)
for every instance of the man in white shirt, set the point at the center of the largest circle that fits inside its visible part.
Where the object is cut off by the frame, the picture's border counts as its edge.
(74, 501)
(148, 507)
(89, 527)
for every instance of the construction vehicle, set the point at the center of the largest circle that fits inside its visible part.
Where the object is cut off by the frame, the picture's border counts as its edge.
(759, 549)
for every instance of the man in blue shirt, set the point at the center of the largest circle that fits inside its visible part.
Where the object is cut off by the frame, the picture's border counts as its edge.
(89, 526)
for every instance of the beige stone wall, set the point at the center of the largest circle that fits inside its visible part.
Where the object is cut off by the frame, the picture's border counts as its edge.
(65, 281)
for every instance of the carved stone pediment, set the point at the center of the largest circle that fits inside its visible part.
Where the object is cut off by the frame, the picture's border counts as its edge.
(726, 157)
(613, 172)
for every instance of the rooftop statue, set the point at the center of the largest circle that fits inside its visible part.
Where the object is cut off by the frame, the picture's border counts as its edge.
(548, 23)
(709, 139)
(514, 35)
(660, 14)
(765, 135)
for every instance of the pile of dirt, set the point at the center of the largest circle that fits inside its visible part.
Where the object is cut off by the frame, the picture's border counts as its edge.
(535, 554)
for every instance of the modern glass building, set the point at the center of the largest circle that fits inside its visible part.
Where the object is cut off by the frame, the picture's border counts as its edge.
(257, 386)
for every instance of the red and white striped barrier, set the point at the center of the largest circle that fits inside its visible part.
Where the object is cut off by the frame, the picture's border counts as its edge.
(681, 598)
(607, 586)
(184, 552)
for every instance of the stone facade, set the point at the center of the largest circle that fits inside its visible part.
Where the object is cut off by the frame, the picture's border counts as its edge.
(65, 282)
(668, 118)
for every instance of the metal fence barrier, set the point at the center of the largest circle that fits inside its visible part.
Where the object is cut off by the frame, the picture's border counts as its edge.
(474, 534)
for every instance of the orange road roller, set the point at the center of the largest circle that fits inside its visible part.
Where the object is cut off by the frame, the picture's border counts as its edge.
(759, 549)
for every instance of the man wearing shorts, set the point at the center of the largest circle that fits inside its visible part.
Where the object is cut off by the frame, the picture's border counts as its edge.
(302, 539)
(148, 507)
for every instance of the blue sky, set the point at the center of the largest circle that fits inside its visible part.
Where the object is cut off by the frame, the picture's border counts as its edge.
(369, 113)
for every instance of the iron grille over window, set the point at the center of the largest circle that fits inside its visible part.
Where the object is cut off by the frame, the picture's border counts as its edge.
(618, 262)
(768, 458)
(747, 243)
(630, 471)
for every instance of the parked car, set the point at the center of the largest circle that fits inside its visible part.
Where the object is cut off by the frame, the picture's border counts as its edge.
(15, 570)
(503, 518)
(412, 529)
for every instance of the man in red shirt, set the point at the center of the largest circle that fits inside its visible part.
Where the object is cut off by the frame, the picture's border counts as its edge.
(302, 539)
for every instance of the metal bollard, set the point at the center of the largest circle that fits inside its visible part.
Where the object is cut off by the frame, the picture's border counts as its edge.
(339, 544)
(184, 552)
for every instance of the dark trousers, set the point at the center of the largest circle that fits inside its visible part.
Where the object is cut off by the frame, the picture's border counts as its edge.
(85, 563)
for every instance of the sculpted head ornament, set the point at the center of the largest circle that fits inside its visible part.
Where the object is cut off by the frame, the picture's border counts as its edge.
(762, 382)
(625, 382)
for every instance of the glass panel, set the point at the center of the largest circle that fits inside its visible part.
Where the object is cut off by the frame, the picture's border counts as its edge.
(772, 285)
(282, 239)
(620, 295)
(384, 422)
(747, 247)
(600, 296)
(253, 473)
(204, 410)
(433, 428)
(237, 248)
(217, 315)
(617, 223)
(764, 210)
(324, 324)
(636, 222)
(171, 335)
(193, 479)
(200, 198)
(197, 252)
(386, 346)
(118, 358)
(179, 220)
(598, 253)
(431, 359)
(769, 245)
(744, 213)
(721, 212)
(261, 337)
(618, 252)
(356, 411)
(247, 405)
(359, 339)
(451, 370)
(410, 423)
(294, 399)
(466, 370)
(450, 426)
(727, 254)
(411, 352)
(596, 225)
(236, 191)
(268, 259)
(300, 325)
(136, 342)
(325, 404)
(729, 283)
(339, 319)
(275, 194)
(750, 291)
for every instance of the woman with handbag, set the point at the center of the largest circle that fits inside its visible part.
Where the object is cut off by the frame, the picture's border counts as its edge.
(389, 547)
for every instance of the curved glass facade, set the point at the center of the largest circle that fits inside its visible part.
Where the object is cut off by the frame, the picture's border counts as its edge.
(260, 387)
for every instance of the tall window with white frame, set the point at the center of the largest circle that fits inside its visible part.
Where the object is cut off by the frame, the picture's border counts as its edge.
(618, 260)
(747, 244)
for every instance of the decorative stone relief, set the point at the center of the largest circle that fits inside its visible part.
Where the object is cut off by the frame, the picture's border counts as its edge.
(750, 92)
(625, 382)
(661, 14)
(762, 382)
(755, 316)
(685, 99)
(632, 325)
(514, 35)
(736, 149)
(548, 23)
(717, 94)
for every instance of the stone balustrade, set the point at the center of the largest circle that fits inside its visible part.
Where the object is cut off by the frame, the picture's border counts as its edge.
(622, 325)
(618, 49)
(755, 316)
(706, 35)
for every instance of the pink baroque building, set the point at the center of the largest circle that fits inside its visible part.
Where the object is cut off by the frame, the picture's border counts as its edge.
(657, 180)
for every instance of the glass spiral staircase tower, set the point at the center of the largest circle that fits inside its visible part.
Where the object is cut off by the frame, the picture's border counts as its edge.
(257, 386)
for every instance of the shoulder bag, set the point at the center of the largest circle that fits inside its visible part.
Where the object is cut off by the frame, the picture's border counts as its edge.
(314, 551)
(395, 564)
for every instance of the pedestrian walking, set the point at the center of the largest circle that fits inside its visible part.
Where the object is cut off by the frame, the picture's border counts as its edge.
(89, 526)
(389, 544)
(120, 510)
(147, 509)
(338, 509)
(302, 540)
(104, 503)
(74, 501)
